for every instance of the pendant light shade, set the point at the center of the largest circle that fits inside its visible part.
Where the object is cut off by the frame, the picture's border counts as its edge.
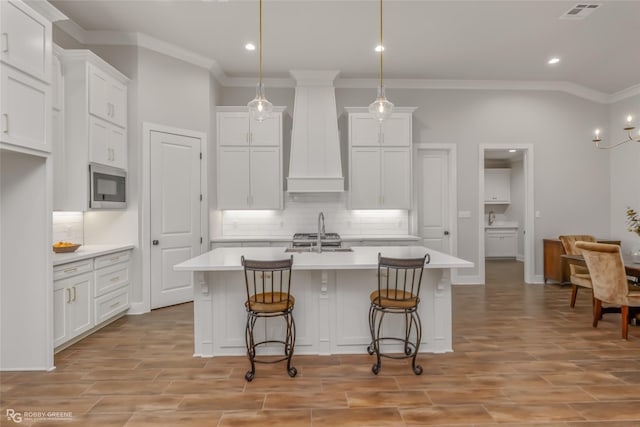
(381, 108)
(260, 108)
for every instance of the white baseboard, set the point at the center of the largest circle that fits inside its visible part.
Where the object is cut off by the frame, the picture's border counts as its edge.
(467, 280)
(138, 308)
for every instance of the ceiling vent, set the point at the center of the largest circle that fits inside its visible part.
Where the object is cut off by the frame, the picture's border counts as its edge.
(580, 11)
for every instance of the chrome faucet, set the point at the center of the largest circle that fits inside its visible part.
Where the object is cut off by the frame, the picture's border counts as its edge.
(492, 217)
(321, 232)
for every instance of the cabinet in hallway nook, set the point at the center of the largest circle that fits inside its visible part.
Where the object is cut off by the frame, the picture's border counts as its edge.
(249, 160)
(380, 159)
(497, 186)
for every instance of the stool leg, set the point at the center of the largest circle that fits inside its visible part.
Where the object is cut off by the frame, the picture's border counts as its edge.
(378, 317)
(408, 323)
(574, 293)
(417, 369)
(290, 343)
(372, 319)
(251, 348)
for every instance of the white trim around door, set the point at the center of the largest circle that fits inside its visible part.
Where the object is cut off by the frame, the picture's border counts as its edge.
(529, 232)
(144, 305)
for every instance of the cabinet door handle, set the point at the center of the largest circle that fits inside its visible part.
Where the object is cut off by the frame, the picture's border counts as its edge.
(74, 294)
(5, 123)
(68, 296)
(5, 42)
(115, 279)
(115, 304)
(70, 270)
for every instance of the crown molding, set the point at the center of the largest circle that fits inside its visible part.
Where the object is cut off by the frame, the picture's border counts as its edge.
(47, 10)
(143, 40)
(625, 93)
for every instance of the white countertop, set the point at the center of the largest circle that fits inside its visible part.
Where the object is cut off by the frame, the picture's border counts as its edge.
(88, 251)
(362, 257)
(505, 224)
(345, 238)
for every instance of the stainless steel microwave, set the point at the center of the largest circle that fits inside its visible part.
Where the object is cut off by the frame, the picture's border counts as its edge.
(107, 187)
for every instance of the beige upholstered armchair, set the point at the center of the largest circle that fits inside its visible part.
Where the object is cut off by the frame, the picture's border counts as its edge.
(609, 280)
(579, 275)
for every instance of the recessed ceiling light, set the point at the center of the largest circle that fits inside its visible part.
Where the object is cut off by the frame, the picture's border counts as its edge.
(250, 46)
(553, 60)
(379, 48)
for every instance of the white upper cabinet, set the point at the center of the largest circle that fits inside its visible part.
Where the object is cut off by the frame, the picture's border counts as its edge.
(26, 42)
(107, 97)
(366, 131)
(497, 186)
(380, 160)
(237, 128)
(249, 160)
(25, 76)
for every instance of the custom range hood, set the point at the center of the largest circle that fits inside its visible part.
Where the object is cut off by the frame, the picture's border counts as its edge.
(314, 163)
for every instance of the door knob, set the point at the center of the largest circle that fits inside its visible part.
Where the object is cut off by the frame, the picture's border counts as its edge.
(155, 243)
(446, 232)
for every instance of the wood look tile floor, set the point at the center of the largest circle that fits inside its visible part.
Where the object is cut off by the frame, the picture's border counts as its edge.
(522, 358)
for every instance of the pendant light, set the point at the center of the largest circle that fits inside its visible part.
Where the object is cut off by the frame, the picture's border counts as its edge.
(381, 108)
(260, 108)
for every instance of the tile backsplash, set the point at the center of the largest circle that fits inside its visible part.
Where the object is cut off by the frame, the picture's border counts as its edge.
(301, 215)
(68, 227)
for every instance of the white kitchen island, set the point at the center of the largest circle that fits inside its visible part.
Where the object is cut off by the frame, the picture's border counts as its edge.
(332, 299)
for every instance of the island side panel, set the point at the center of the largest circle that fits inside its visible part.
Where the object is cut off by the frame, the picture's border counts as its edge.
(202, 314)
(435, 310)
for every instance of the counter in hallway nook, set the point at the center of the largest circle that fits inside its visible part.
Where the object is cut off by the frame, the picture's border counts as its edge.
(332, 299)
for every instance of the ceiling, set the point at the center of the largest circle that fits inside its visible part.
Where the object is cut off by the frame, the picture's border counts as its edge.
(426, 40)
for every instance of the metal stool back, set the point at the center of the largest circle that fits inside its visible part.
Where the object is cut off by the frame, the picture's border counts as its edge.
(399, 281)
(268, 286)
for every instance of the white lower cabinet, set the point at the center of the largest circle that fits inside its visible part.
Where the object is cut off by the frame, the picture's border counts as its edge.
(501, 243)
(73, 302)
(89, 293)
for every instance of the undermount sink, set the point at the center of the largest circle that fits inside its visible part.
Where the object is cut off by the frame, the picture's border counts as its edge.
(311, 249)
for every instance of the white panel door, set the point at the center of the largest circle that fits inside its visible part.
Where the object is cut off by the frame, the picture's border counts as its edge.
(364, 130)
(233, 178)
(266, 132)
(365, 178)
(117, 103)
(81, 319)
(233, 128)
(25, 110)
(99, 148)
(265, 178)
(175, 215)
(396, 130)
(98, 93)
(434, 199)
(26, 39)
(61, 301)
(396, 178)
(118, 146)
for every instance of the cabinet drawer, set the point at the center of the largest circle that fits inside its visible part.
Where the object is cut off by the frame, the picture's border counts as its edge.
(111, 278)
(114, 258)
(72, 269)
(111, 304)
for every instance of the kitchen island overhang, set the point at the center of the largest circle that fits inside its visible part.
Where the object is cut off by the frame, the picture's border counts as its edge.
(332, 299)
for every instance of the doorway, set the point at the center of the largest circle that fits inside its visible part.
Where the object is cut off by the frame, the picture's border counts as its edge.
(174, 217)
(506, 212)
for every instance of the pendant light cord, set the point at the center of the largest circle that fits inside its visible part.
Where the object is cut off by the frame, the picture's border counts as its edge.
(260, 53)
(381, 46)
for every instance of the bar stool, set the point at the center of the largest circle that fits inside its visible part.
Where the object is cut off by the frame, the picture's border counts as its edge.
(398, 292)
(268, 285)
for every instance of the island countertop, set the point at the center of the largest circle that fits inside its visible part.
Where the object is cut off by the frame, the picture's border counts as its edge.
(361, 257)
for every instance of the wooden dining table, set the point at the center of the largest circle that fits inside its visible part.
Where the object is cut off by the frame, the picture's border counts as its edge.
(632, 269)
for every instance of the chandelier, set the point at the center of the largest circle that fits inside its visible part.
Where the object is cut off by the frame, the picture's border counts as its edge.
(260, 108)
(628, 127)
(381, 108)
